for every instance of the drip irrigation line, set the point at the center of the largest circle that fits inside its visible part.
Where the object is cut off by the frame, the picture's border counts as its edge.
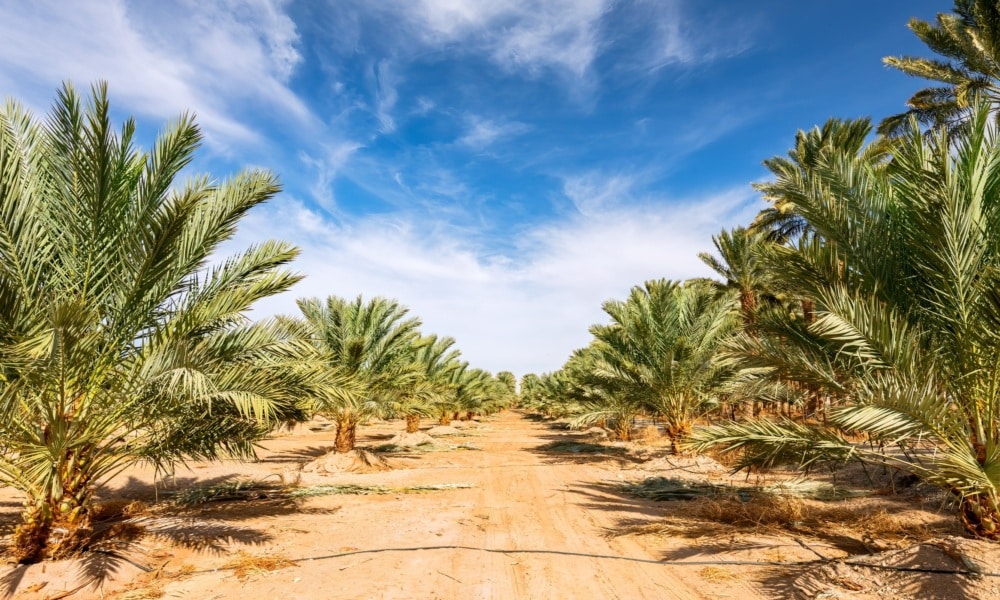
(679, 563)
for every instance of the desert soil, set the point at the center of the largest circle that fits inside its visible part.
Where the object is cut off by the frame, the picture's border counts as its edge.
(529, 524)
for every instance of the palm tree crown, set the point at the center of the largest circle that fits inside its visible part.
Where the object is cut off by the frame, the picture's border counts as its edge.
(969, 42)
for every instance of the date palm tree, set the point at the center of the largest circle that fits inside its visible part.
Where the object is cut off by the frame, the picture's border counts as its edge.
(373, 344)
(906, 273)
(658, 354)
(120, 341)
(437, 360)
(509, 381)
(968, 42)
(782, 222)
(740, 269)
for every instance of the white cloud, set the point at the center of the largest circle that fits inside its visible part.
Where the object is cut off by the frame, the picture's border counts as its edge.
(385, 96)
(522, 313)
(672, 44)
(159, 59)
(484, 132)
(327, 166)
(569, 35)
(518, 34)
(592, 192)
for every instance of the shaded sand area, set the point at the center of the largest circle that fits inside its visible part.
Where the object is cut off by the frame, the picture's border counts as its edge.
(493, 513)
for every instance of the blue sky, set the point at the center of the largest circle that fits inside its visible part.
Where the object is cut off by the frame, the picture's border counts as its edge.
(501, 167)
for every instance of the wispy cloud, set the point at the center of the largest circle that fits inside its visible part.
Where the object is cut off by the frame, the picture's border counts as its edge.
(593, 193)
(671, 42)
(327, 166)
(160, 58)
(525, 311)
(484, 132)
(518, 35)
(385, 96)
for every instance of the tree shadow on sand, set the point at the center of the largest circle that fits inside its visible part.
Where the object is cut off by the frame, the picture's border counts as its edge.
(123, 538)
(580, 449)
(296, 455)
(605, 497)
(800, 544)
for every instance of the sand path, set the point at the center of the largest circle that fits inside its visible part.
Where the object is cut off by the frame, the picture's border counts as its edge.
(532, 525)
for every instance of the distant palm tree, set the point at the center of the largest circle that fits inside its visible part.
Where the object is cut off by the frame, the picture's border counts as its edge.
(437, 360)
(509, 382)
(739, 266)
(477, 392)
(529, 388)
(593, 392)
(372, 344)
(968, 40)
(658, 355)
(118, 341)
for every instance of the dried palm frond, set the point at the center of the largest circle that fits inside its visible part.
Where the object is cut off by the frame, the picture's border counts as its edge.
(663, 489)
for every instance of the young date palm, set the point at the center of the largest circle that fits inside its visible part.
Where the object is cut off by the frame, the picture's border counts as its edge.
(905, 267)
(436, 360)
(658, 352)
(372, 344)
(118, 341)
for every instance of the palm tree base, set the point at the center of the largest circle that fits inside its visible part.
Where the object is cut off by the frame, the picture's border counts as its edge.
(412, 423)
(979, 518)
(346, 435)
(39, 538)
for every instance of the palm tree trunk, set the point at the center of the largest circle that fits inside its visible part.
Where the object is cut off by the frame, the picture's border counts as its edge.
(31, 537)
(808, 311)
(980, 516)
(623, 428)
(53, 527)
(748, 306)
(445, 419)
(412, 423)
(347, 428)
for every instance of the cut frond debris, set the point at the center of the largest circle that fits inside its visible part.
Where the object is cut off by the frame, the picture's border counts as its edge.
(245, 565)
(717, 575)
(572, 447)
(394, 449)
(662, 489)
(249, 489)
(372, 490)
(231, 490)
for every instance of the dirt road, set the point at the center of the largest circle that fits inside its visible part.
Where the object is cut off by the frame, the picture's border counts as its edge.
(533, 524)
(530, 527)
(513, 521)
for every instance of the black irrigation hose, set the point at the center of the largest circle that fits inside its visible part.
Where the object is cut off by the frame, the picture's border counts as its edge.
(640, 560)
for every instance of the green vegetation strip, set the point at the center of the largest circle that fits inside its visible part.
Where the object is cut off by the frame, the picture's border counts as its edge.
(255, 489)
(663, 489)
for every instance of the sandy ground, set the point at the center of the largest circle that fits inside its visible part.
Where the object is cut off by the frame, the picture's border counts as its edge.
(533, 524)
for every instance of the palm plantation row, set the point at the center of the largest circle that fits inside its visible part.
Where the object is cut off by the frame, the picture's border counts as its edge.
(122, 339)
(865, 300)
